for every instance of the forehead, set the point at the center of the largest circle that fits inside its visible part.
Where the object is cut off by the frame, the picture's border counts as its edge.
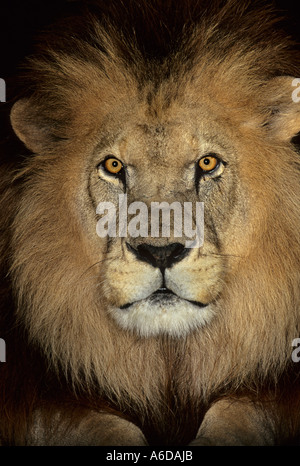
(156, 142)
(178, 134)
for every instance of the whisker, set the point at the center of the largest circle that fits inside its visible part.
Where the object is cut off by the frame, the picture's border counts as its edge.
(105, 259)
(91, 266)
(219, 254)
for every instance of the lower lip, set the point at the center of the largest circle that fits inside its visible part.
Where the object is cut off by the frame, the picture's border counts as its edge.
(164, 294)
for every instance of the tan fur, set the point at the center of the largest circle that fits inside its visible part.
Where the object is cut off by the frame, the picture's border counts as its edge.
(215, 93)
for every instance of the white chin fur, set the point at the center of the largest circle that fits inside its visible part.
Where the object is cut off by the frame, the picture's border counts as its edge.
(176, 317)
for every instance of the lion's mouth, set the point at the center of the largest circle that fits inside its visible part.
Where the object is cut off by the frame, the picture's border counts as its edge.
(164, 295)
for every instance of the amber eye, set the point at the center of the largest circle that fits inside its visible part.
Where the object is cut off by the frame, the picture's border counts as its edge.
(208, 163)
(113, 166)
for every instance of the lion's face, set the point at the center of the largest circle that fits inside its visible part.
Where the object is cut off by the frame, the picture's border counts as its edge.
(154, 284)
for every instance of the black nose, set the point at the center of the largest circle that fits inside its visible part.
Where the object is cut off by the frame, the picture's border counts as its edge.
(161, 257)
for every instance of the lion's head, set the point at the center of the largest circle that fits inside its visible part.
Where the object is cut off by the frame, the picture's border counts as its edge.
(208, 118)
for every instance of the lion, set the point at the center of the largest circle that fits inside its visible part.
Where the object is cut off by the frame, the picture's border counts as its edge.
(138, 339)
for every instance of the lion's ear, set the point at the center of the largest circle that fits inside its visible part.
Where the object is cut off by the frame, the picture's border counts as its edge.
(32, 126)
(282, 97)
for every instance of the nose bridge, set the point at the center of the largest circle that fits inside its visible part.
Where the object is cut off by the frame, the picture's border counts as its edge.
(160, 188)
(159, 222)
(156, 184)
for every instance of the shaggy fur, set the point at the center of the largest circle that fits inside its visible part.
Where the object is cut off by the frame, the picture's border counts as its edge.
(229, 68)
